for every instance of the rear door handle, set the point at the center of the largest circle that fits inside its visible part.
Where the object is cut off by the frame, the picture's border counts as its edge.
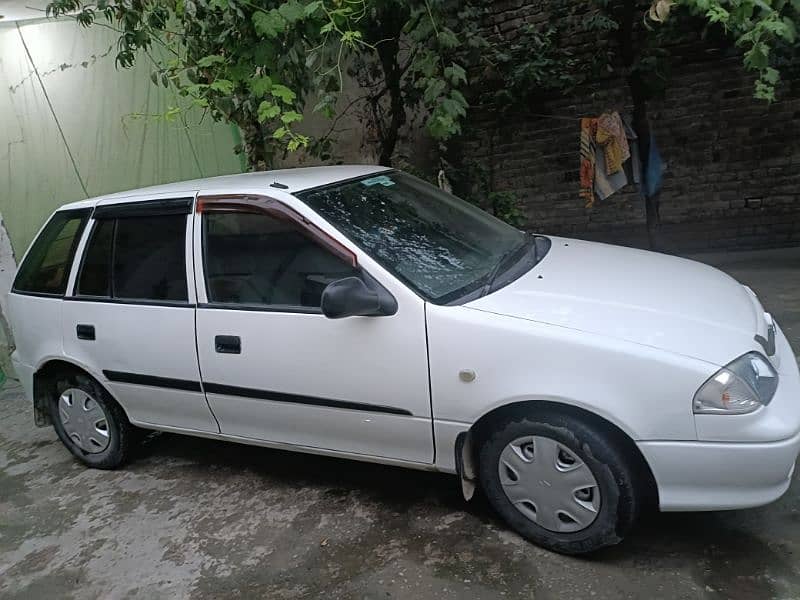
(228, 344)
(85, 332)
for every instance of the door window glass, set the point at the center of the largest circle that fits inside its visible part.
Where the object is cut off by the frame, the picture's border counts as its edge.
(256, 259)
(150, 258)
(45, 269)
(136, 258)
(95, 277)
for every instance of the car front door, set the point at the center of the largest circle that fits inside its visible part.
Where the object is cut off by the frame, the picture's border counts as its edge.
(130, 316)
(274, 368)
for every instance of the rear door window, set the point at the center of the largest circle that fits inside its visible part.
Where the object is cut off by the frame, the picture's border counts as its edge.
(95, 277)
(136, 258)
(46, 267)
(150, 258)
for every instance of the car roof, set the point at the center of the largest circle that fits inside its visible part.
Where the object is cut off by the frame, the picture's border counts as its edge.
(295, 180)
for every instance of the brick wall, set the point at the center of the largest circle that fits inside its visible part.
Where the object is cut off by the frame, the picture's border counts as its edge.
(733, 163)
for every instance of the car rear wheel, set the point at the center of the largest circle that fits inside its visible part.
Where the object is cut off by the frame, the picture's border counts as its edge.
(90, 423)
(559, 482)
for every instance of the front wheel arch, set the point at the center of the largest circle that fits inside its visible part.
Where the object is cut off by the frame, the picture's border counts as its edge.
(468, 443)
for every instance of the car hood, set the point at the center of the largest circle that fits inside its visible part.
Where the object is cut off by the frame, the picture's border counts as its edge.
(643, 297)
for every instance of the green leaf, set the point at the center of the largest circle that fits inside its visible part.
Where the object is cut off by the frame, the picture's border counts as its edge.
(269, 24)
(441, 126)
(453, 108)
(212, 59)
(283, 92)
(280, 133)
(260, 86)
(326, 106)
(717, 14)
(426, 63)
(456, 74)
(313, 7)
(448, 39)
(434, 89)
(195, 88)
(763, 5)
(764, 91)
(297, 141)
(350, 38)
(267, 111)
(292, 11)
(770, 75)
(218, 4)
(238, 73)
(757, 58)
(291, 117)
(459, 97)
(223, 86)
(172, 113)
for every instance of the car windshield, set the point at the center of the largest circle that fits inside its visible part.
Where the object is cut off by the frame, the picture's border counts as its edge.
(441, 246)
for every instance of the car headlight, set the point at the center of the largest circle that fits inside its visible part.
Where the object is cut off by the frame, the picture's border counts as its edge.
(744, 385)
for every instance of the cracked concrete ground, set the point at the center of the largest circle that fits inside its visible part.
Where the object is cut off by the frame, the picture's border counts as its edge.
(193, 518)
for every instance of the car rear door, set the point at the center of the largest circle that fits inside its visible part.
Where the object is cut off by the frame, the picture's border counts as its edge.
(274, 367)
(130, 315)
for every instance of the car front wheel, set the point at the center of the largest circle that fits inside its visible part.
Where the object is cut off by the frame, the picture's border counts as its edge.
(559, 481)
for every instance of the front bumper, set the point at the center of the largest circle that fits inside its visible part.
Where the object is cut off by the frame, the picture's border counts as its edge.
(720, 475)
(742, 460)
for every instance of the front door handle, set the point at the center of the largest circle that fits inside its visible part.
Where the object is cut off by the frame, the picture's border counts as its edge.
(228, 344)
(85, 332)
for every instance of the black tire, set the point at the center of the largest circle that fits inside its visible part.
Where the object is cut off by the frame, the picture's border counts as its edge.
(121, 433)
(619, 496)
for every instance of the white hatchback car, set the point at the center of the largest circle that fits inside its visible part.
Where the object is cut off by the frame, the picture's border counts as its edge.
(362, 313)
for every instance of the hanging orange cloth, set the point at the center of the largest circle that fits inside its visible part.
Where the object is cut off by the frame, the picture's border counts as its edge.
(588, 132)
(611, 136)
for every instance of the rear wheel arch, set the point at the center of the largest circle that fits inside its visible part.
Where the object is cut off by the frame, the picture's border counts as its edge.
(45, 382)
(468, 443)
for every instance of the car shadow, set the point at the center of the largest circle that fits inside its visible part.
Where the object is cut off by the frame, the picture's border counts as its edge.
(395, 486)
(732, 554)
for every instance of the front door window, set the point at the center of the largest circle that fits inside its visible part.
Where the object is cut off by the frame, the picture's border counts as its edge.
(257, 259)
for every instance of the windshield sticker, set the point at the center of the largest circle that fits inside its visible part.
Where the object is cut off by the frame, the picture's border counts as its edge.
(379, 180)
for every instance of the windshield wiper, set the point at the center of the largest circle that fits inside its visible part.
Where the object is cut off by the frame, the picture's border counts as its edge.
(506, 259)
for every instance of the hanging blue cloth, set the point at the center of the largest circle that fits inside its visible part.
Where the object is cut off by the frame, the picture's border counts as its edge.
(654, 171)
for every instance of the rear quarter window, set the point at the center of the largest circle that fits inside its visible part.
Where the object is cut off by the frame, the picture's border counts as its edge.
(45, 269)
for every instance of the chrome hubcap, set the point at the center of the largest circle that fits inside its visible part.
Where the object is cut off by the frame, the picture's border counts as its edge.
(83, 420)
(549, 484)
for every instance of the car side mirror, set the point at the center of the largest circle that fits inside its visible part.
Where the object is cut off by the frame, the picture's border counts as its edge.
(352, 297)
